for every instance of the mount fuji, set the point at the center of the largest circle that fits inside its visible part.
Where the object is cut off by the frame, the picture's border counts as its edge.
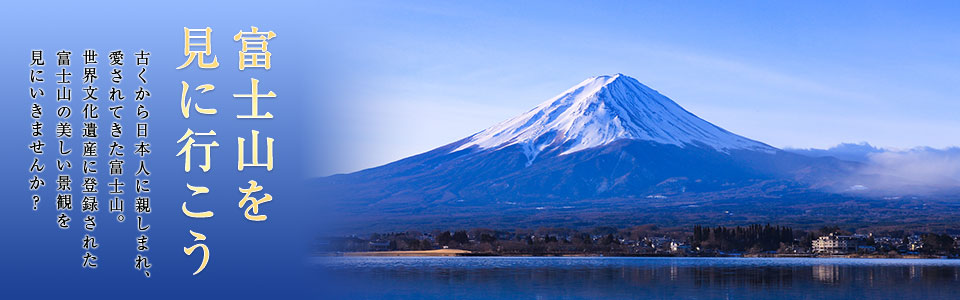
(602, 110)
(605, 147)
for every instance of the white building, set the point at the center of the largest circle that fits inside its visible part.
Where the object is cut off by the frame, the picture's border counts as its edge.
(837, 244)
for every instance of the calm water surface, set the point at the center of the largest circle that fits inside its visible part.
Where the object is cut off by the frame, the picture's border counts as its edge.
(640, 278)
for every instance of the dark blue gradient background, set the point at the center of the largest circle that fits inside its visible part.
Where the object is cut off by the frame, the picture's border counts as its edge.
(247, 259)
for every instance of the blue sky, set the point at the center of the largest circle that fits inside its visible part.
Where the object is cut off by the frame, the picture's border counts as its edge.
(419, 75)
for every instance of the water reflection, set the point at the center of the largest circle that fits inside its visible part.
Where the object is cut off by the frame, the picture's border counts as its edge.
(717, 278)
(826, 273)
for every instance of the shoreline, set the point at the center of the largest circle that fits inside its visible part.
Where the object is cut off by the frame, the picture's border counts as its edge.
(467, 253)
(413, 253)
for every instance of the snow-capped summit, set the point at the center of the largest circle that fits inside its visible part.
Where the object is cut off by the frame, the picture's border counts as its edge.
(604, 109)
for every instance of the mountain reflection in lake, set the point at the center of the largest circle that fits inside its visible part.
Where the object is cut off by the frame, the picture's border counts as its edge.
(638, 278)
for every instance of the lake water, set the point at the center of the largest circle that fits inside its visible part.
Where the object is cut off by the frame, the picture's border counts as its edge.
(639, 278)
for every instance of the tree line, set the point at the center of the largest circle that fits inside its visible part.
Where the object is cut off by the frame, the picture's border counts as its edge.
(752, 238)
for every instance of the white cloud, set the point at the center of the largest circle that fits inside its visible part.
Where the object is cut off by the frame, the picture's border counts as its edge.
(920, 166)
